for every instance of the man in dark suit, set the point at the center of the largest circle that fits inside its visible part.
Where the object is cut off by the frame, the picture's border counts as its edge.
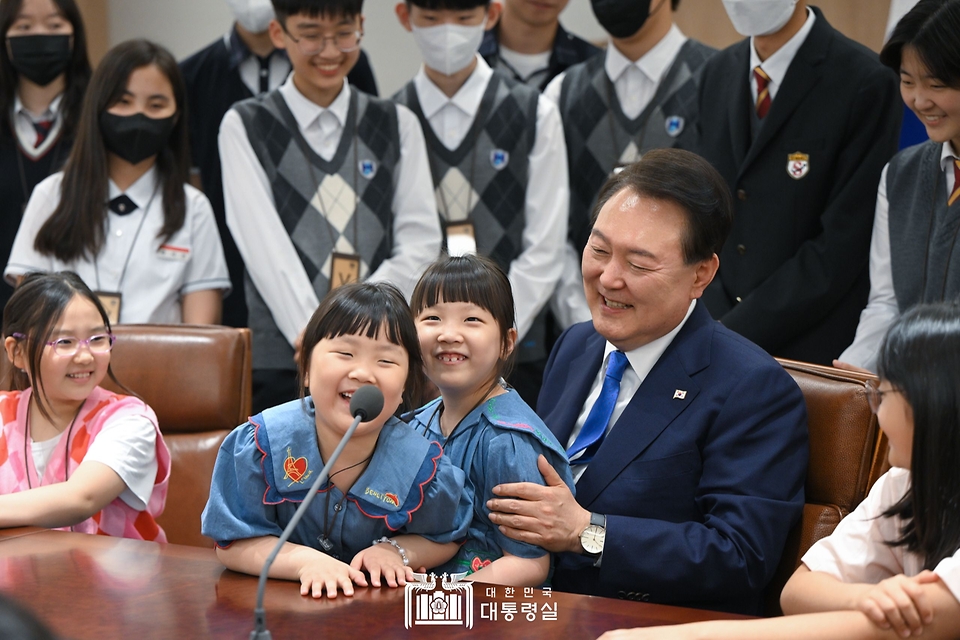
(686, 492)
(799, 120)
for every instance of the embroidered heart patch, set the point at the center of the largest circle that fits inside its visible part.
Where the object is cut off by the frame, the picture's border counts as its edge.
(478, 564)
(295, 468)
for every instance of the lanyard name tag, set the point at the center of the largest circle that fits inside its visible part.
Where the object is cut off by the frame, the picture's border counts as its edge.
(460, 238)
(344, 269)
(111, 304)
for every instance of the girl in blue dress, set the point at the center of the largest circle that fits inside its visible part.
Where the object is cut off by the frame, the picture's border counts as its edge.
(464, 312)
(389, 481)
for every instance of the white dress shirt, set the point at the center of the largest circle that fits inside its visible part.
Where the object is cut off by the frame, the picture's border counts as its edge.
(27, 134)
(882, 308)
(777, 64)
(250, 70)
(636, 84)
(158, 272)
(532, 68)
(534, 273)
(256, 227)
(642, 359)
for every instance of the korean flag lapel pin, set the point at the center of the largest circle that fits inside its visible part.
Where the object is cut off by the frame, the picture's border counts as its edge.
(798, 165)
(680, 394)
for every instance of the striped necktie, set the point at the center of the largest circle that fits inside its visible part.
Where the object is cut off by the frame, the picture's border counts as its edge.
(956, 182)
(763, 93)
(42, 128)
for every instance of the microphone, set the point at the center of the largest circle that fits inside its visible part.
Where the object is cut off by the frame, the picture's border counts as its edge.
(365, 405)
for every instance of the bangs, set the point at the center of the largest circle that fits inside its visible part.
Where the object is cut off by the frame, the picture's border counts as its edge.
(367, 314)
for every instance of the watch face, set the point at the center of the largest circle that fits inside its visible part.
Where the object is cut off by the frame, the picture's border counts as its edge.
(592, 539)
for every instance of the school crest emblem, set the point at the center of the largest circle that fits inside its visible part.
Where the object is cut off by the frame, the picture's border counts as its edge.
(295, 469)
(798, 165)
(368, 168)
(499, 159)
(674, 126)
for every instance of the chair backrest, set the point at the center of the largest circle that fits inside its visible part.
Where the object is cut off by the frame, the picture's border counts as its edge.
(847, 455)
(198, 381)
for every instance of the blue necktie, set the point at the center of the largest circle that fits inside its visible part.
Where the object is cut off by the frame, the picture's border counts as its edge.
(595, 426)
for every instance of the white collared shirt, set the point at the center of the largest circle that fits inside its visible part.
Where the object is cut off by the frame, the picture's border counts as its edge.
(882, 308)
(532, 68)
(27, 134)
(636, 82)
(777, 64)
(534, 273)
(642, 360)
(258, 231)
(158, 272)
(250, 71)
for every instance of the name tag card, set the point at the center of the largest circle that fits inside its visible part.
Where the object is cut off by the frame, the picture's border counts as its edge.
(171, 252)
(111, 304)
(344, 269)
(460, 238)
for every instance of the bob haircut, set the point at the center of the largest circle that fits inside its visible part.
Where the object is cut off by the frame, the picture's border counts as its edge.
(77, 73)
(474, 279)
(313, 8)
(77, 227)
(930, 29)
(920, 358)
(688, 181)
(368, 309)
(34, 310)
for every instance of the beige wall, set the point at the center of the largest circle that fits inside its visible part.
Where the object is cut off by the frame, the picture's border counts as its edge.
(95, 20)
(862, 20)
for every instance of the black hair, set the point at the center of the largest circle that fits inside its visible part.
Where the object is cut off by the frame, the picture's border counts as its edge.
(451, 5)
(77, 73)
(19, 623)
(367, 309)
(920, 358)
(474, 279)
(34, 310)
(77, 227)
(674, 4)
(930, 29)
(313, 8)
(688, 181)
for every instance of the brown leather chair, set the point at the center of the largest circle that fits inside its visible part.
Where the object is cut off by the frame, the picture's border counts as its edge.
(848, 452)
(198, 381)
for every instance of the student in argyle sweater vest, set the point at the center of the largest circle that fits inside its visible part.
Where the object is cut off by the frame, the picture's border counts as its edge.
(322, 185)
(498, 162)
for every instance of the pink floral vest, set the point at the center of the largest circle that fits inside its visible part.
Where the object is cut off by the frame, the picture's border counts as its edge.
(117, 518)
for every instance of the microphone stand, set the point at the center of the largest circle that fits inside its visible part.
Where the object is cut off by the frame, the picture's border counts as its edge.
(360, 412)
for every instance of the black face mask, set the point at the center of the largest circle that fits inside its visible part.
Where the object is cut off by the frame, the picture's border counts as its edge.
(40, 59)
(135, 138)
(621, 18)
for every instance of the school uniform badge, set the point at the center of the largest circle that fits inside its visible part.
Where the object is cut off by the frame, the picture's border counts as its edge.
(798, 165)
(499, 159)
(295, 469)
(674, 126)
(368, 168)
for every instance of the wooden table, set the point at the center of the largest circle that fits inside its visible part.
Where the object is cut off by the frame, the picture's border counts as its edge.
(98, 587)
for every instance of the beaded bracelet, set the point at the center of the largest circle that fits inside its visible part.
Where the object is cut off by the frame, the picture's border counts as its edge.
(401, 550)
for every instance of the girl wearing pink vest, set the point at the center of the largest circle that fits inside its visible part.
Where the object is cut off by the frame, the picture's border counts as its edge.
(73, 455)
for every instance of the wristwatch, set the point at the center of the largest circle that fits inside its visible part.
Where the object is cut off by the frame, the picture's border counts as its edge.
(591, 538)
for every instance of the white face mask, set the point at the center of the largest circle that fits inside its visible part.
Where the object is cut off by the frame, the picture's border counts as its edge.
(759, 17)
(253, 15)
(448, 48)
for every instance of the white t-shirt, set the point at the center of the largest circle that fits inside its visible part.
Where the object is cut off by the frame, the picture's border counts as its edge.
(857, 551)
(158, 273)
(127, 445)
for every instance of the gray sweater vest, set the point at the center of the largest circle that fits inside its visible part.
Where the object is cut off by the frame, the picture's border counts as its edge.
(598, 132)
(493, 158)
(923, 230)
(362, 170)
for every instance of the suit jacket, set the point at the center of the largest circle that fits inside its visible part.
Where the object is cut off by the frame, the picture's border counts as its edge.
(699, 492)
(793, 272)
